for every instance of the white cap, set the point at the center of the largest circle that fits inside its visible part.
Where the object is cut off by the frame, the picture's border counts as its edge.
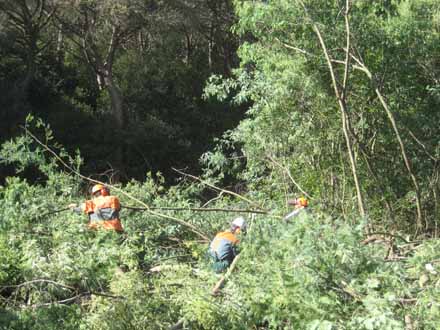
(239, 222)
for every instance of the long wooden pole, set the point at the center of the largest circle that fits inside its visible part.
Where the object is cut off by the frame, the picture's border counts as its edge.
(222, 280)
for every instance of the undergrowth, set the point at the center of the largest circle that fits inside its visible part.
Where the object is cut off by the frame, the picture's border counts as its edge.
(312, 273)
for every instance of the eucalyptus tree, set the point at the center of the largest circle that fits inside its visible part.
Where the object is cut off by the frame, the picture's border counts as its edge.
(27, 21)
(97, 31)
(204, 27)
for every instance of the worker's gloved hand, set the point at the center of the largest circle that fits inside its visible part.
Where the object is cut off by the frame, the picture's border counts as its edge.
(72, 206)
(235, 251)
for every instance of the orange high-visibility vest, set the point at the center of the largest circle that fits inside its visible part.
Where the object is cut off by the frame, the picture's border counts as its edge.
(103, 212)
(222, 245)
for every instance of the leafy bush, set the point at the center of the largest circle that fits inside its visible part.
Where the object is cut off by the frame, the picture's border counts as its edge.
(311, 273)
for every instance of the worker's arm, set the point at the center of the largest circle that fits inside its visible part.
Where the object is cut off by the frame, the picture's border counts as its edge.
(235, 247)
(81, 208)
(235, 250)
(115, 204)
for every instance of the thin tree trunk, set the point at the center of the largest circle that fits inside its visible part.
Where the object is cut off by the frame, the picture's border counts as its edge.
(210, 45)
(29, 77)
(403, 152)
(117, 102)
(60, 41)
(378, 184)
(117, 108)
(341, 97)
(405, 158)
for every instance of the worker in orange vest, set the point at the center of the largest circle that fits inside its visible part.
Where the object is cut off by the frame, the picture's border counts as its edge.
(102, 210)
(300, 204)
(223, 248)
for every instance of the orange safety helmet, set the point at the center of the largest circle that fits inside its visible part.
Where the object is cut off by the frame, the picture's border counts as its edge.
(299, 202)
(101, 188)
(302, 202)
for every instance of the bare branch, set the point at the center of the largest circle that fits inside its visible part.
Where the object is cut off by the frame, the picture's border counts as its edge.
(299, 50)
(422, 145)
(289, 175)
(114, 41)
(196, 209)
(38, 281)
(219, 189)
(347, 51)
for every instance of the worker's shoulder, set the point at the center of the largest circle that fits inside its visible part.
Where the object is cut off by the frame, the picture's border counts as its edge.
(108, 198)
(226, 235)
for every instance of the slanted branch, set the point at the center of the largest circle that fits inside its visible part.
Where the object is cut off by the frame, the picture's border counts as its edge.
(218, 286)
(247, 200)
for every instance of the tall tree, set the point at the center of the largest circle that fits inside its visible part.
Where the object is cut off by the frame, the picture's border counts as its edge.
(97, 30)
(300, 54)
(27, 20)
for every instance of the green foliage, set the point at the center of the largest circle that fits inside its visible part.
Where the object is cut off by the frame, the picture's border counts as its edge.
(161, 58)
(315, 272)
(311, 273)
(292, 137)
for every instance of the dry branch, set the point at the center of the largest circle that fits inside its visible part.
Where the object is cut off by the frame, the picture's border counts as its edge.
(219, 189)
(196, 209)
(285, 169)
(219, 284)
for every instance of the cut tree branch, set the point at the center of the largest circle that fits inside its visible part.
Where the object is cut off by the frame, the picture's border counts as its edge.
(196, 209)
(219, 284)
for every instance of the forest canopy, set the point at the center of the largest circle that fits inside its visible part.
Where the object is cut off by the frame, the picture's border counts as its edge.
(196, 112)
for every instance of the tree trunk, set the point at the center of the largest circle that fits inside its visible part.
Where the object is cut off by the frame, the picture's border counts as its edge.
(29, 77)
(118, 114)
(341, 97)
(406, 160)
(60, 41)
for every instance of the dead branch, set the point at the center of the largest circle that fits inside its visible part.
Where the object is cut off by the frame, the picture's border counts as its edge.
(219, 189)
(289, 175)
(219, 285)
(196, 209)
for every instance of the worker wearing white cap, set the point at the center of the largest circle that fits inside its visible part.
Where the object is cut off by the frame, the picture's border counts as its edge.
(223, 247)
